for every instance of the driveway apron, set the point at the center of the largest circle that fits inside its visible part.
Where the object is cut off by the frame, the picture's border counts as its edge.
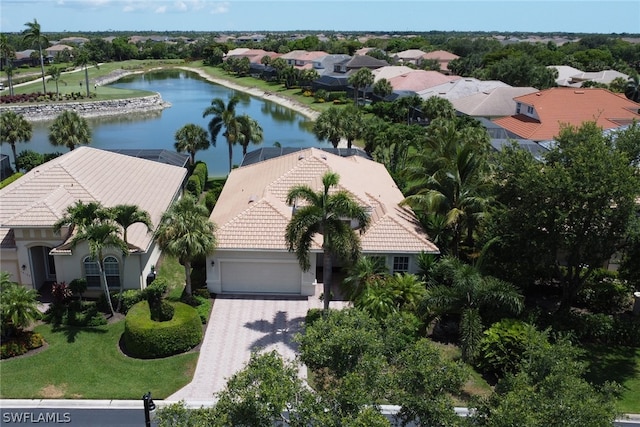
(238, 326)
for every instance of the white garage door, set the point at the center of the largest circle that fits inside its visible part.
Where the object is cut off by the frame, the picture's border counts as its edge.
(260, 277)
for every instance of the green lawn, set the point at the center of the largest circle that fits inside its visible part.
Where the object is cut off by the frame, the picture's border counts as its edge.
(86, 363)
(619, 364)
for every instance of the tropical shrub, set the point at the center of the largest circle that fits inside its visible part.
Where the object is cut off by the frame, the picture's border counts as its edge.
(18, 307)
(599, 328)
(148, 339)
(20, 344)
(130, 297)
(61, 293)
(201, 171)
(78, 286)
(160, 309)
(605, 293)
(194, 186)
(76, 313)
(504, 343)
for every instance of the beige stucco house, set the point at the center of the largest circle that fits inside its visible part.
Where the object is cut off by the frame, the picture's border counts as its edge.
(34, 255)
(252, 214)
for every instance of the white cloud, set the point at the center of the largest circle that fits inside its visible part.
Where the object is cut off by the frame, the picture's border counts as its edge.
(161, 9)
(220, 8)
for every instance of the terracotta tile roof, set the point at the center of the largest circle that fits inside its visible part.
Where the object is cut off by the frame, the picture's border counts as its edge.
(251, 212)
(390, 71)
(442, 55)
(40, 197)
(557, 106)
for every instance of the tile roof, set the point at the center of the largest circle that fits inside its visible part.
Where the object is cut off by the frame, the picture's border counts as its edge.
(557, 106)
(441, 55)
(40, 197)
(251, 213)
(418, 80)
(390, 71)
(460, 88)
(495, 102)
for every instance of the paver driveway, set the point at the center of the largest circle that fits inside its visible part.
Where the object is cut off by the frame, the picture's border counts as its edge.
(239, 325)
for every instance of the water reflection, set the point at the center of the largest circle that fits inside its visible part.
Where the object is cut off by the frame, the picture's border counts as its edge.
(189, 95)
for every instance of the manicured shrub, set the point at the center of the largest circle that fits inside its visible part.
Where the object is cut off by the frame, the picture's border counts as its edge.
(147, 339)
(77, 313)
(210, 200)
(201, 172)
(130, 297)
(78, 286)
(194, 186)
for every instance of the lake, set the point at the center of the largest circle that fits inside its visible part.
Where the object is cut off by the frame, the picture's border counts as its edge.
(189, 95)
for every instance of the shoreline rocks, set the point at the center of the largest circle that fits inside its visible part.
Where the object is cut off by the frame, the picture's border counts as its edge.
(90, 109)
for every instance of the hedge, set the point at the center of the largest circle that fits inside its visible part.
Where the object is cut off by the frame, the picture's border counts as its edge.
(194, 186)
(147, 339)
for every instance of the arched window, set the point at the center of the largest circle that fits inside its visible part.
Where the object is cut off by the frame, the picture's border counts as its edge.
(112, 271)
(91, 272)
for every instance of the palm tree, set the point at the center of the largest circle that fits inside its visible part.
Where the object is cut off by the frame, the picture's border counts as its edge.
(93, 223)
(34, 37)
(224, 116)
(361, 79)
(352, 124)
(56, 75)
(83, 59)
(186, 233)
(391, 295)
(18, 306)
(329, 126)
(191, 138)
(459, 289)
(365, 272)
(632, 90)
(14, 128)
(250, 132)
(9, 69)
(125, 216)
(382, 88)
(100, 234)
(447, 183)
(7, 55)
(69, 130)
(324, 213)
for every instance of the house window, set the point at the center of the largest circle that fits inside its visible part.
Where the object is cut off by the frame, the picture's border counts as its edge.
(529, 109)
(112, 271)
(91, 272)
(518, 106)
(400, 264)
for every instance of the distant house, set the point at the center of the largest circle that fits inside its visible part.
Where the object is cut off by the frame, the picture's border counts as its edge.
(252, 216)
(56, 49)
(419, 80)
(538, 116)
(411, 56)
(364, 61)
(302, 59)
(34, 254)
(572, 77)
(443, 57)
(461, 88)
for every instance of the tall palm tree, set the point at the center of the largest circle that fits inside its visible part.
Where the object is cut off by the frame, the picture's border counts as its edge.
(101, 234)
(82, 58)
(382, 88)
(324, 213)
(69, 129)
(14, 128)
(361, 79)
(186, 233)
(125, 216)
(250, 132)
(34, 37)
(329, 126)
(56, 75)
(7, 55)
(352, 124)
(191, 138)
(8, 70)
(224, 116)
(93, 223)
(459, 289)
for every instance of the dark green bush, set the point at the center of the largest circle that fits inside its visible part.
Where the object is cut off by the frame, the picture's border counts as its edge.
(147, 339)
(600, 328)
(194, 186)
(201, 172)
(605, 293)
(210, 199)
(78, 286)
(130, 297)
(76, 313)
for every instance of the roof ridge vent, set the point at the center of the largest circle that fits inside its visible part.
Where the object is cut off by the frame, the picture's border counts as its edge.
(301, 156)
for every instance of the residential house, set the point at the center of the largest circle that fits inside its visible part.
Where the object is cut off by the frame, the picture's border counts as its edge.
(443, 57)
(410, 56)
(302, 59)
(493, 103)
(29, 207)
(419, 80)
(460, 88)
(326, 64)
(364, 61)
(572, 77)
(255, 55)
(389, 72)
(252, 215)
(539, 116)
(57, 49)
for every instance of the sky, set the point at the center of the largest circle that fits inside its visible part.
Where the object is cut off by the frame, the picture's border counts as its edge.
(580, 16)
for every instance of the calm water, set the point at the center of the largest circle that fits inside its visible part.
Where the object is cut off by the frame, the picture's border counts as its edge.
(189, 95)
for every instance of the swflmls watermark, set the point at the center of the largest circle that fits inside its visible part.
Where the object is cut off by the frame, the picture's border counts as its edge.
(25, 417)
